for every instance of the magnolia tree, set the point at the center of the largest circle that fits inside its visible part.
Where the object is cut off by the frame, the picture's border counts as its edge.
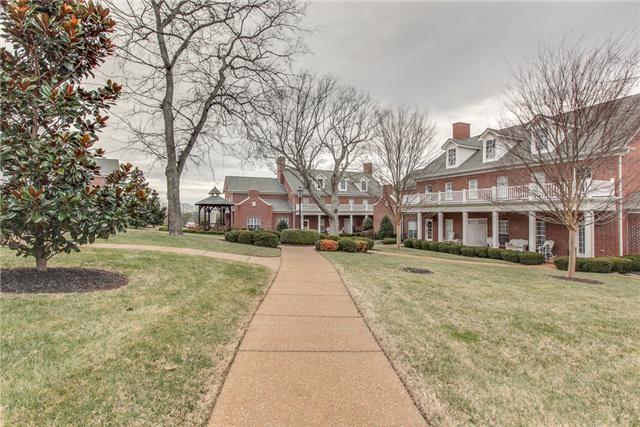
(399, 151)
(49, 123)
(573, 120)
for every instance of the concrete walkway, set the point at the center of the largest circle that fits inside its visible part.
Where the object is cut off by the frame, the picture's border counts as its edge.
(269, 262)
(308, 358)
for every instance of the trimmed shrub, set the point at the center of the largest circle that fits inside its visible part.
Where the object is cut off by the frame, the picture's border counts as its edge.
(425, 245)
(561, 262)
(455, 248)
(468, 251)
(621, 265)
(245, 237)
(511, 256)
(266, 239)
(494, 253)
(361, 246)
(369, 234)
(326, 245)
(389, 241)
(433, 246)
(299, 237)
(595, 265)
(530, 258)
(386, 228)
(333, 237)
(231, 236)
(346, 244)
(482, 252)
(282, 225)
(635, 262)
(367, 224)
(408, 243)
(443, 247)
(370, 242)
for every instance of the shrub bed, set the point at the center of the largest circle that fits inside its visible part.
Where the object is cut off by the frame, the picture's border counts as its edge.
(509, 255)
(370, 242)
(408, 243)
(596, 265)
(482, 252)
(530, 258)
(443, 247)
(494, 253)
(361, 246)
(455, 248)
(468, 251)
(245, 237)
(346, 244)
(231, 236)
(389, 241)
(326, 245)
(266, 239)
(299, 237)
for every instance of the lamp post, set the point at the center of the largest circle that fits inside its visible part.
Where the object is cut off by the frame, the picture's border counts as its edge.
(300, 205)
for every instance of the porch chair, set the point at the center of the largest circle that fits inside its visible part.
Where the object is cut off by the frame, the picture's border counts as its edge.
(517, 245)
(546, 249)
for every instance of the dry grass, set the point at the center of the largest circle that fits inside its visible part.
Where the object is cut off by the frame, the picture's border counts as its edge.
(482, 344)
(150, 353)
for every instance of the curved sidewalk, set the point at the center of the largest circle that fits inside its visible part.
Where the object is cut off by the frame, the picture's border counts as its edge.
(269, 262)
(308, 358)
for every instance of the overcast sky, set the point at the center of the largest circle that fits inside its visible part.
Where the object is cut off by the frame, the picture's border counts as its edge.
(453, 59)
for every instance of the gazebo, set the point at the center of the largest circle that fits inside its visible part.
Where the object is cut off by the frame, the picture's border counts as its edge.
(214, 201)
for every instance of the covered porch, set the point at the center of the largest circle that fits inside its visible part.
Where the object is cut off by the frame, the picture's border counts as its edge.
(348, 224)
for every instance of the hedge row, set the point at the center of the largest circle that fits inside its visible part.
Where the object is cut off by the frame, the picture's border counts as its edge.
(626, 264)
(267, 239)
(192, 230)
(529, 258)
(345, 244)
(299, 237)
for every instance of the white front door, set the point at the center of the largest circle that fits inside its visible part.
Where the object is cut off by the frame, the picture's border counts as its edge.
(477, 229)
(428, 229)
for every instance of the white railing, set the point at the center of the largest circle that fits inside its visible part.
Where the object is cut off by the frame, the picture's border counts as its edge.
(343, 207)
(597, 189)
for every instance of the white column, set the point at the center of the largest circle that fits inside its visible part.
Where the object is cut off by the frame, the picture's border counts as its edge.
(589, 234)
(440, 226)
(494, 229)
(350, 224)
(319, 228)
(465, 224)
(301, 221)
(532, 231)
(419, 219)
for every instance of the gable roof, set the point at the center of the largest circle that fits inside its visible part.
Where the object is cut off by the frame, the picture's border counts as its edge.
(352, 178)
(279, 205)
(242, 184)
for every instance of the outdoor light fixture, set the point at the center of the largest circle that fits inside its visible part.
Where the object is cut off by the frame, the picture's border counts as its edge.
(300, 205)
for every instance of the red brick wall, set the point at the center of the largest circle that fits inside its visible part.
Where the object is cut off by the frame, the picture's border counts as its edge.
(247, 210)
(633, 233)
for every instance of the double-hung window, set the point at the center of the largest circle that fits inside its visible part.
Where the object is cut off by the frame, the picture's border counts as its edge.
(473, 189)
(283, 219)
(342, 185)
(451, 157)
(502, 183)
(363, 185)
(253, 223)
(448, 190)
(541, 233)
(582, 242)
(320, 182)
(412, 231)
(490, 149)
(503, 232)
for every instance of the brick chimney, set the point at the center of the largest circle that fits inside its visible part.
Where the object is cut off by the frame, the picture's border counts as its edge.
(461, 130)
(280, 163)
(367, 168)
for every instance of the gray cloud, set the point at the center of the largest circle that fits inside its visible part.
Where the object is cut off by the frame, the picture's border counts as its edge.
(452, 58)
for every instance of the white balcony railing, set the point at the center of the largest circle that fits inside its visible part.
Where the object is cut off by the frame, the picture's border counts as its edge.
(597, 189)
(342, 208)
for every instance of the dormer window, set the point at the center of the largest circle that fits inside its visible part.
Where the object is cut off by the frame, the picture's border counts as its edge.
(320, 182)
(342, 185)
(490, 149)
(451, 157)
(542, 142)
(363, 185)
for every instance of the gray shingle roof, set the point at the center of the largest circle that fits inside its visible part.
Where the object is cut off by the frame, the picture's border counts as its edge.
(353, 182)
(107, 166)
(243, 184)
(215, 201)
(278, 205)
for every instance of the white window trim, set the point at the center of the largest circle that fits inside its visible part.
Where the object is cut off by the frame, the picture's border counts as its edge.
(286, 220)
(346, 185)
(318, 179)
(364, 187)
(455, 157)
(254, 223)
(495, 149)
(448, 193)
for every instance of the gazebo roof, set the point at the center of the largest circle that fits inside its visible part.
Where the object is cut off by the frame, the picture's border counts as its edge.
(215, 191)
(214, 201)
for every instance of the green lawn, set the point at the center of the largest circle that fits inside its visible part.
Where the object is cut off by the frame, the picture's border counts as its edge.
(478, 344)
(150, 353)
(208, 242)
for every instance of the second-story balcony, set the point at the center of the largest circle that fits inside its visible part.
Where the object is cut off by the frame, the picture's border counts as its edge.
(597, 189)
(343, 208)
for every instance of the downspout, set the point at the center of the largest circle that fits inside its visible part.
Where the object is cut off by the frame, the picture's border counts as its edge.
(620, 206)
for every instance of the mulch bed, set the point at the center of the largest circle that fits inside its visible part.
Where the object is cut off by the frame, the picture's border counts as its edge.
(579, 280)
(58, 280)
(417, 270)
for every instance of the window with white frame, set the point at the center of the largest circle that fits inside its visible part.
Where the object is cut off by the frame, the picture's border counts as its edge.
(320, 182)
(502, 183)
(448, 190)
(428, 188)
(412, 229)
(364, 185)
(342, 185)
(365, 204)
(541, 233)
(253, 223)
(451, 157)
(448, 230)
(283, 219)
(351, 203)
(473, 189)
(503, 232)
(490, 149)
(582, 244)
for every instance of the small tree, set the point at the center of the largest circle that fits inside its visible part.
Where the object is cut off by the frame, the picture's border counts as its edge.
(49, 124)
(400, 151)
(572, 122)
(386, 228)
(367, 224)
(282, 225)
(157, 213)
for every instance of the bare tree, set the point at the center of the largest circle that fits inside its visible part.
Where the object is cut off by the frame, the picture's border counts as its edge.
(573, 119)
(196, 66)
(403, 140)
(316, 121)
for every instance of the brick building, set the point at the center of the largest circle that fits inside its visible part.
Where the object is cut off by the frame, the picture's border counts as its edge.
(467, 194)
(263, 202)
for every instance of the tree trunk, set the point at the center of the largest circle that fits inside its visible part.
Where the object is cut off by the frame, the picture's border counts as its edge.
(41, 260)
(174, 214)
(571, 267)
(398, 221)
